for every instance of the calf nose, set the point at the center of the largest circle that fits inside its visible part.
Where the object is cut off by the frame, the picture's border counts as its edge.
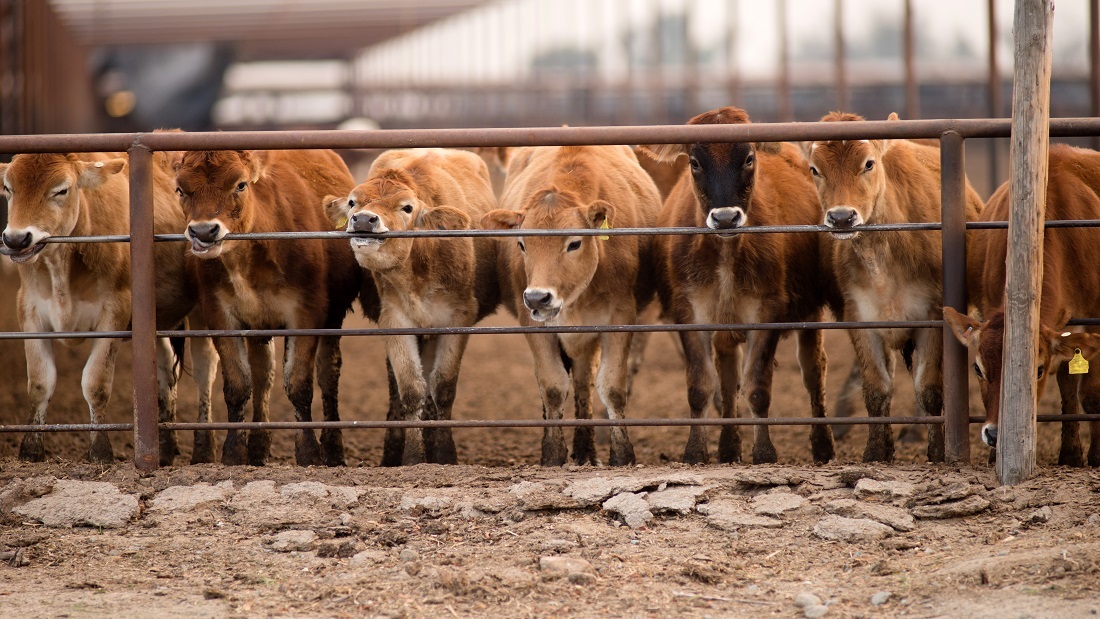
(989, 435)
(537, 298)
(207, 232)
(726, 218)
(17, 240)
(841, 217)
(364, 222)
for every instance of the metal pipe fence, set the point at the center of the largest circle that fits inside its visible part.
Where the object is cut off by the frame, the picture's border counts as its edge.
(952, 134)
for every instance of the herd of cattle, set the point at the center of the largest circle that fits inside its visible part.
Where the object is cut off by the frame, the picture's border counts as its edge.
(723, 277)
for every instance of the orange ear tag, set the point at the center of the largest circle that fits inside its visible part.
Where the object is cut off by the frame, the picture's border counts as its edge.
(605, 226)
(1078, 364)
(340, 225)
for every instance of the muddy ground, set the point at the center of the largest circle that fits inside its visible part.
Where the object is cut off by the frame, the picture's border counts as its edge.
(481, 538)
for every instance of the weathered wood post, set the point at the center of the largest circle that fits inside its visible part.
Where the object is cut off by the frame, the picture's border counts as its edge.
(1032, 34)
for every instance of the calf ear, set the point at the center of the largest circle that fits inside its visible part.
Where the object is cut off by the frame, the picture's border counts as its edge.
(443, 218)
(255, 161)
(964, 327)
(3, 170)
(599, 214)
(94, 173)
(501, 219)
(1066, 344)
(772, 148)
(666, 153)
(337, 210)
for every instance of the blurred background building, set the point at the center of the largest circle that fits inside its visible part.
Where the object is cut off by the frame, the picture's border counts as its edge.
(135, 65)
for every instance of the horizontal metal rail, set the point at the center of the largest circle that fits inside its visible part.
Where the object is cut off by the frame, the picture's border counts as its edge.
(417, 234)
(519, 423)
(535, 136)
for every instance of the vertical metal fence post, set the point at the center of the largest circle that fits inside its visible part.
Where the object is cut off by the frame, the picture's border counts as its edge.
(956, 380)
(144, 323)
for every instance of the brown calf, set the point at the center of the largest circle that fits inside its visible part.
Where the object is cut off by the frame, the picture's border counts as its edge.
(577, 280)
(735, 278)
(424, 282)
(1069, 289)
(887, 275)
(297, 284)
(86, 286)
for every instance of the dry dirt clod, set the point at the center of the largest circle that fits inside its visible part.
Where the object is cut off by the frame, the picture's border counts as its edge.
(806, 599)
(880, 598)
(815, 612)
(969, 506)
(553, 568)
(632, 507)
(842, 529)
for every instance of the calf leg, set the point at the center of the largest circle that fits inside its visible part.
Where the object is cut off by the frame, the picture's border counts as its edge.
(1094, 443)
(167, 379)
(204, 365)
(846, 401)
(329, 361)
(261, 361)
(876, 366)
(403, 352)
(759, 369)
(813, 362)
(41, 382)
(393, 445)
(611, 385)
(443, 384)
(1070, 453)
(554, 386)
(700, 383)
(928, 385)
(96, 382)
(298, 359)
(584, 382)
(1090, 401)
(727, 360)
(237, 389)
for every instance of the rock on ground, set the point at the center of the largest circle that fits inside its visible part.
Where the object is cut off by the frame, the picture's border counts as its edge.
(676, 499)
(186, 498)
(842, 529)
(776, 504)
(81, 503)
(291, 541)
(632, 507)
(553, 568)
(888, 490)
(895, 517)
(729, 515)
(969, 506)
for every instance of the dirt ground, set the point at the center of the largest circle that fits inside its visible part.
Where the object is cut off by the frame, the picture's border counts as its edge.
(391, 552)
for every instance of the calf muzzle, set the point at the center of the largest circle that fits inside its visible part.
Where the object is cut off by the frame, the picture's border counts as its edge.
(16, 241)
(726, 218)
(989, 435)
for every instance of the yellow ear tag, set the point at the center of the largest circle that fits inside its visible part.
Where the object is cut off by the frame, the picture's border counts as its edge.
(340, 225)
(1078, 364)
(606, 225)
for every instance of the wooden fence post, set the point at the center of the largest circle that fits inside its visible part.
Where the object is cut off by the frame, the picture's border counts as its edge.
(1032, 34)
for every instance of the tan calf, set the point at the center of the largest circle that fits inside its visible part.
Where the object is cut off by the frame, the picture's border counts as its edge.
(276, 284)
(887, 275)
(1069, 290)
(424, 282)
(742, 278)
(86, 286)
(577, 280)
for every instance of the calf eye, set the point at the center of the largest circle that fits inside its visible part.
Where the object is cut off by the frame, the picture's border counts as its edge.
(1040, 372)
(813, 171)
(408, 208)
(870, 165)
(521, 247)
(179, 192)
(750, 160)
(241, 186)
(351, 203)
(573, 246)
(63, 192)
(695, 167)
(978, 370)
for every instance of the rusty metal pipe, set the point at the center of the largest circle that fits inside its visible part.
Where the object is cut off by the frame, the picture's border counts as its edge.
(956, 386)
(144, 319)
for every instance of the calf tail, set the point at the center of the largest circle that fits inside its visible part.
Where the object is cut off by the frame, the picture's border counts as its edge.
(179, 347)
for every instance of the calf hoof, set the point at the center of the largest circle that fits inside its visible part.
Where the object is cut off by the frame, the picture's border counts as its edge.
(235, 450)
(332, 446)
(878, 453)
(623, 455)
(584, 447)
(439, 445)
(101, 451)
(259, 447)
(764, 454)
(203, 451)
(936, 450)
(392, 447)
(1072, 455)
(729, 445)
(553, 452)
(169, 447)
(821, 444)
(32, 449)
(307, 451)
(992, 457)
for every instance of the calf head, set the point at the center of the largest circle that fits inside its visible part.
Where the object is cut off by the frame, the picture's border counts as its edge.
(850, 179)
(45, 194)
(722, 174)
(388, 203)
(215, 190)
(558, 269)
(986, 343)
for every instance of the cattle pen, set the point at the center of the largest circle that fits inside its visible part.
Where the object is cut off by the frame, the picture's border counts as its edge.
(951, 134)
